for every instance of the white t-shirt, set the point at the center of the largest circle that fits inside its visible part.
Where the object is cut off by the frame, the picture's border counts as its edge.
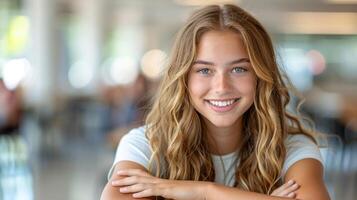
(134, 146)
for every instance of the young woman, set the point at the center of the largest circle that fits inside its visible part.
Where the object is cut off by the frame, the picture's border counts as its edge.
(219, 128)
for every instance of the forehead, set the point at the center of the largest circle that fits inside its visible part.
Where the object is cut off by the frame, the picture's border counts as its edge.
(221, 44)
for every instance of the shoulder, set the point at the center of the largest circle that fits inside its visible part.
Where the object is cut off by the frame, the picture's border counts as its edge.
(135, 140)
(308, 173)
(136, 134)
(304, 164)
(133, 146)
(299, 147)
(294, 140)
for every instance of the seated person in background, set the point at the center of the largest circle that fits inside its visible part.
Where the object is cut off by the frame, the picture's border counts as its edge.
(10, 110)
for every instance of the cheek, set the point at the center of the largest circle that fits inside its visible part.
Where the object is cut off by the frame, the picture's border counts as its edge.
(247, 86)
(196, 87)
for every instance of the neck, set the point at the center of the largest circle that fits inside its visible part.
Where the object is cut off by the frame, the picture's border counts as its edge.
(224, 140)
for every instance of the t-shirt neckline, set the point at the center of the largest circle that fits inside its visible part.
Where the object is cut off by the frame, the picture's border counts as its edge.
(225, 156)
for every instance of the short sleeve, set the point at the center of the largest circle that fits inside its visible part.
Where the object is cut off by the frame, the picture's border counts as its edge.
(134, 146)
(300, 147)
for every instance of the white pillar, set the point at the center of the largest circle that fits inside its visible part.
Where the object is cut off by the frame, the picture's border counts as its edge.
(40, 85)
(90, 15)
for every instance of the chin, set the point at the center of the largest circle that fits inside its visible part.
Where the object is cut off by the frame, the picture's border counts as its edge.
(222, 123)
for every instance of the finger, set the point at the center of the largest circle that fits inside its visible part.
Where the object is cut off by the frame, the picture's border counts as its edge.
(292, 188)
(145, 193)
(291, 195)
(284, 186)
(135, 188)
(132, 172)
(132, 180)
(280, 189)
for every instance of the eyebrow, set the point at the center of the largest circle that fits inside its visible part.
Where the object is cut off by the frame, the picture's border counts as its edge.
(241, 60)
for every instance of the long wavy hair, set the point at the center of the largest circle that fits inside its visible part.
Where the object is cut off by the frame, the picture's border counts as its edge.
(176, 131)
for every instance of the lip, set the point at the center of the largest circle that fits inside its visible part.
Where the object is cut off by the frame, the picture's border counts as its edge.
(222, 109)
(222, 99)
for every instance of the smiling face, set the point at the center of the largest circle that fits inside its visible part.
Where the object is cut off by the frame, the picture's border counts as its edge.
(221, 81)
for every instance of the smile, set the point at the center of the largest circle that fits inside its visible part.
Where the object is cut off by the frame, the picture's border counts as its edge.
(222, 105)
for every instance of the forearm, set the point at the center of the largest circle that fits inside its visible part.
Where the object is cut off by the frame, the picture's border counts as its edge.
(216, 191)
(112, 193)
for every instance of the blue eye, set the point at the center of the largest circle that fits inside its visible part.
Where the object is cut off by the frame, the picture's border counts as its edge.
(203, 71)
(239, 70)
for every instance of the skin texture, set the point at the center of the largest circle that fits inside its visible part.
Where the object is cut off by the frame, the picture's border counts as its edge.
(142, 184)
(216, 76)
(110, 192)
(222, 75)
(309, 174)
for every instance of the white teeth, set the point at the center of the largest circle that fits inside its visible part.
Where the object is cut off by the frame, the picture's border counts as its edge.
(222, 103)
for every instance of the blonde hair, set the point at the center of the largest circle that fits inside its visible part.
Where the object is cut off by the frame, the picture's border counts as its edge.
(176, 132)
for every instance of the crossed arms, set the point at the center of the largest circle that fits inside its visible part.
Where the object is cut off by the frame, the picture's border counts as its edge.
(130, 178)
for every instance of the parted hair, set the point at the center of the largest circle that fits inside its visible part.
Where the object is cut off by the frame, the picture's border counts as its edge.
(176, 131)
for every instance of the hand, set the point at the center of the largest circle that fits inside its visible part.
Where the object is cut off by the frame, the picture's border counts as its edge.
(286, 190)
(142, 184)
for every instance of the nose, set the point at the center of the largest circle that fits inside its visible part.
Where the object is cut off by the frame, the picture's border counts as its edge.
(221, 83)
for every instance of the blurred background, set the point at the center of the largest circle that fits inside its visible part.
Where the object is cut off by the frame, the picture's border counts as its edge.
(75, 75)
